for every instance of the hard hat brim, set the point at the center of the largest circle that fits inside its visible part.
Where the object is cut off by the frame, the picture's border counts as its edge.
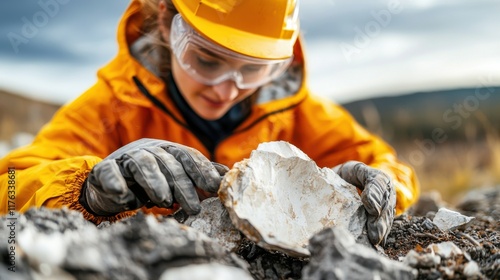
(239, 41)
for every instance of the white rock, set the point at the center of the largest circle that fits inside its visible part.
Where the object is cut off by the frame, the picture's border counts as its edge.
(43, 248)
(204, 272)
(471, 269)
(446, 219)
(446, 249)
(427, 260)
(85, 252)
(449, 272)
(279, 198)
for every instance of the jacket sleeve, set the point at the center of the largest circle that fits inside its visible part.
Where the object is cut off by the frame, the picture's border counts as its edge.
(50, 171)
(331, 136)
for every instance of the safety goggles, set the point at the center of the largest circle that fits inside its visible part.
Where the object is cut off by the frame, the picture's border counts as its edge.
(211, 64)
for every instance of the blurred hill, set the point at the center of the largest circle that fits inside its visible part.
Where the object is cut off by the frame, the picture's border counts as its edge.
(19, 114)
(458, 114)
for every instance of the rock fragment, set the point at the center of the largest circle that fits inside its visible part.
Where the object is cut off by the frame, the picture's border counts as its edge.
(336, 255)
(446, 259)
(214, 221)
(140, 247)
(279, 198)
(446, 219)
(47, 220)
(36, 246)
(417, 260)
(471, 269)
(446, 249)
(204, 272)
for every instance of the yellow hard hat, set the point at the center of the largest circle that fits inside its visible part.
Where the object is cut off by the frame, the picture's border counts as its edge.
(264, 29)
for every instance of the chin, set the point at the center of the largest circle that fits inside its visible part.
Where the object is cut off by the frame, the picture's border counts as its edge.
(211, 116)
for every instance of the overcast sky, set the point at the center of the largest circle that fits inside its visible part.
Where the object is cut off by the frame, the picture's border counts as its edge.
(355, 49)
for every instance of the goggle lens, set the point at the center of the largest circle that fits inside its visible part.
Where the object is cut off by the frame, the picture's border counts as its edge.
(212, 64)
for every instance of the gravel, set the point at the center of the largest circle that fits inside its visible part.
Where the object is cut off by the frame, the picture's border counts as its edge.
(60, 244)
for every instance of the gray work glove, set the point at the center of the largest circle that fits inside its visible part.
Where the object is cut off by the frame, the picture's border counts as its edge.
(378, 196)
(152, 172)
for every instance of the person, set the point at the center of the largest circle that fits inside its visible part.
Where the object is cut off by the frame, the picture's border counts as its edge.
(194, 88)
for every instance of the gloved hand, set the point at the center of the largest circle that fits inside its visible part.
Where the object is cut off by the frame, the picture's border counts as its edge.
(378, 196)
(151, 171)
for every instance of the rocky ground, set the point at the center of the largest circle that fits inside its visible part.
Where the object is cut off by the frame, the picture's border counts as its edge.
(61, 245)
(478, 240)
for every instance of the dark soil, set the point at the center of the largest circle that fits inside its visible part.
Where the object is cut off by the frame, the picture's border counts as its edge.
(480, 239)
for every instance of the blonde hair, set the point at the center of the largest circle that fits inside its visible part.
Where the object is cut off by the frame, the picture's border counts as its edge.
(150, 13)
(158, 52)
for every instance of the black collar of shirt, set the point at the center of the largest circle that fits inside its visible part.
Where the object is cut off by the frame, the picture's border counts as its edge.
(211, 133)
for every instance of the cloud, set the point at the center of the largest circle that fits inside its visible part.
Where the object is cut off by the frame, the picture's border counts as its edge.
(54, 82)
(428, 44)
(425, 46)
(73, 31)
(60, 61)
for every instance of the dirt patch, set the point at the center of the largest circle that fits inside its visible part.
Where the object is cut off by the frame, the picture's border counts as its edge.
(480, 240)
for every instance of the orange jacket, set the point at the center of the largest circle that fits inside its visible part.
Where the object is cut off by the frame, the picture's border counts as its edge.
(114, 112)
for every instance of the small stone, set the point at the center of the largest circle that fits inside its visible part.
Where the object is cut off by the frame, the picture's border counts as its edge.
(471, 269)
(417, 260)
(205, 271)
(446, 219)
(428, 224)
(449, 272)
(397, 223)
(214, 221)
(446, 249)
(430, 215)
(43, 248)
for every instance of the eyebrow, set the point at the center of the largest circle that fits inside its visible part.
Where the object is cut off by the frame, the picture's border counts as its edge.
(212, 54)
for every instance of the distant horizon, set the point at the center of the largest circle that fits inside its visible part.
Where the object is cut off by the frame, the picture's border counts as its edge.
(353, 50)
(349, 100)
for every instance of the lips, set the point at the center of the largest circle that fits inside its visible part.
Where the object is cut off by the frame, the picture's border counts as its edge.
(214, 103)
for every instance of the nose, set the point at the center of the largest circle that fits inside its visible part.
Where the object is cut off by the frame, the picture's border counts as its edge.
(226, 90)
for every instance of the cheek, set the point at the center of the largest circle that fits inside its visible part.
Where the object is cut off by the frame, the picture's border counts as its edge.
(244, 93)
(187, 85)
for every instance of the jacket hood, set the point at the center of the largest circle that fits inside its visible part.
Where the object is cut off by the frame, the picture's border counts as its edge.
(123, 72)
